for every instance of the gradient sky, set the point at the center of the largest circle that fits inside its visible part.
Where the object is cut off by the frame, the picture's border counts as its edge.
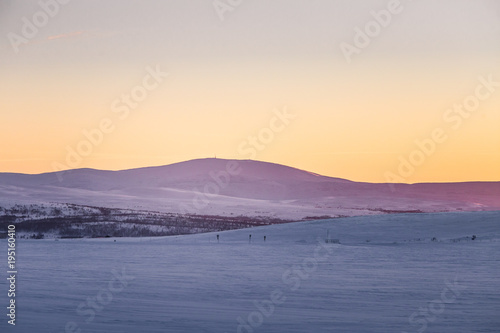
(228, 77)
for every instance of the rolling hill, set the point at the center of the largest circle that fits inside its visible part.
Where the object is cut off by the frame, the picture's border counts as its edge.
(241, 187)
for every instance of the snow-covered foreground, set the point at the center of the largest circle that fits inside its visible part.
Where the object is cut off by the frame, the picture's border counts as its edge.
(386, 275)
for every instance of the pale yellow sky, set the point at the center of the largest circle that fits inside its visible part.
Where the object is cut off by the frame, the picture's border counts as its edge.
(228, 81)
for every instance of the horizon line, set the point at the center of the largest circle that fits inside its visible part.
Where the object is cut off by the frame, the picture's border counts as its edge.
(235, 159)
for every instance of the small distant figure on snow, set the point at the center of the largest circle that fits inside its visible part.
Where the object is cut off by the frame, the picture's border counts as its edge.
(250, 238)
(217, 238)
(264, 238)
(473, 237)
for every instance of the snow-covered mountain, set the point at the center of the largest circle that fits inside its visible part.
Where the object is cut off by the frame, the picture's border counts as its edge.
(241, 187)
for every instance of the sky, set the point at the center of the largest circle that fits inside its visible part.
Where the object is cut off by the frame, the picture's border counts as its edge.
(376, 91)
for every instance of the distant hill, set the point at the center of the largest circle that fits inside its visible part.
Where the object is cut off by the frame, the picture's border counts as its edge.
(241, 187)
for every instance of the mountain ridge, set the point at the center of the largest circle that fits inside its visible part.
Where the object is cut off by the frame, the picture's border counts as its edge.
(245, 187)
(62, 172)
